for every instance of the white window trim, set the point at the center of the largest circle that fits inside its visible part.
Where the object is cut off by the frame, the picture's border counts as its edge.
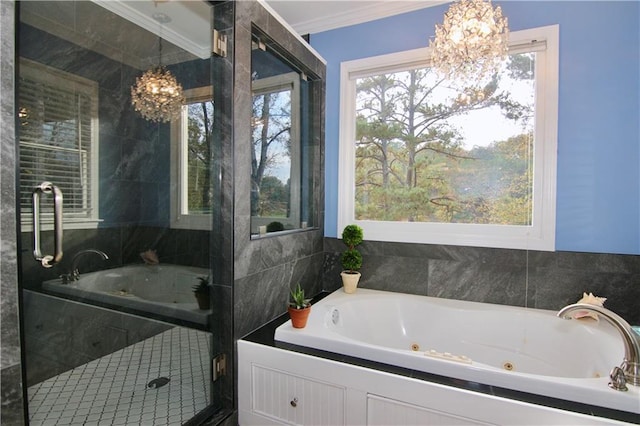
(180, 219)
(540, 235)
(56, 77)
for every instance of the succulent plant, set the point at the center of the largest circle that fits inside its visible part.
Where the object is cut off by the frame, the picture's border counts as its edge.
(202, 286)
(298, 300)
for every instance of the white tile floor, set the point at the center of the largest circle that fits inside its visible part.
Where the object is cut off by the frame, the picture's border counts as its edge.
(113, 390)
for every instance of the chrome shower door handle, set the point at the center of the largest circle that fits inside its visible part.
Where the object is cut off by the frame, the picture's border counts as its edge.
(47, 188)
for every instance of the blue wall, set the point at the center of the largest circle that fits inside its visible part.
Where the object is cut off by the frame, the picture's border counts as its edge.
(598, 188)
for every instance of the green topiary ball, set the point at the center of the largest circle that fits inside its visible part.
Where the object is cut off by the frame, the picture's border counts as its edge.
(351, 260)
(352, 235)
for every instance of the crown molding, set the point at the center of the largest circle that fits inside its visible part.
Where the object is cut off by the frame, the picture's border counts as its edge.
(133, 12)
(362, 14)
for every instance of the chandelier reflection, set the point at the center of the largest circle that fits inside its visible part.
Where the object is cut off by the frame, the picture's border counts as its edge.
(472, 42)
(157, 95)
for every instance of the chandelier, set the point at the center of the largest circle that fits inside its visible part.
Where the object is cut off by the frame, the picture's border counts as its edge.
(472, 41)
(157, 95)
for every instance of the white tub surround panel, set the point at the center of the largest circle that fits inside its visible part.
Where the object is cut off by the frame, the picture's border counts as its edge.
(277, 386)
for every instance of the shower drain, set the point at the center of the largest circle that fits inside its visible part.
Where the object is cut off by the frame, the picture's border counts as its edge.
(158, 383)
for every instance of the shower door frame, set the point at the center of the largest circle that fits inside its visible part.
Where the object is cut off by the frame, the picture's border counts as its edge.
(222, 390)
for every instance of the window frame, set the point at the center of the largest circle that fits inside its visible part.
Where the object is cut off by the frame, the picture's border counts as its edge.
(287, 81)
(58, 78)
(179, 166)
(538, 236)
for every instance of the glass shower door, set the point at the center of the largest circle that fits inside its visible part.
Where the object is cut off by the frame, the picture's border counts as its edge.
(115, 103)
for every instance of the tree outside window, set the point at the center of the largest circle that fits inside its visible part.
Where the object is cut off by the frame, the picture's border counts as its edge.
(417, 158)
(271, 154)
(191, 141)
(199, 128)
(428, 160)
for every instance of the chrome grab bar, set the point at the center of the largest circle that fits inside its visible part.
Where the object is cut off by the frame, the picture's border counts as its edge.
(47, 188)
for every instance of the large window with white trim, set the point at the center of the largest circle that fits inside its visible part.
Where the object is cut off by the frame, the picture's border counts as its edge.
(58, 131)
(429, 160)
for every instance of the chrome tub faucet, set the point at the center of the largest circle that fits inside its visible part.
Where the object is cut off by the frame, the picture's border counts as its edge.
(629, 371)
(74, 274)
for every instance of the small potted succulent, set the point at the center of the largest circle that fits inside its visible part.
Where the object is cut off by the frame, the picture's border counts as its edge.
(202, 292)
(299, 308)
(351, 258)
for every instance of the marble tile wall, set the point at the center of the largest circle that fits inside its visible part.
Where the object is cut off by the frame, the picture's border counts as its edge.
(11, 404)
(266, 268)
(545, 280)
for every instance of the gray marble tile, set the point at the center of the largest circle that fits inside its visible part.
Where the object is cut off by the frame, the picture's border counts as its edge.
(394, 273)
(286, 248)
(331, 269)
(9, 326)
(261, 297)
(11, 409)
(307, 272)
(554, 288)
(266, 268)
(333, 245)
(476, 282)
(598, 262)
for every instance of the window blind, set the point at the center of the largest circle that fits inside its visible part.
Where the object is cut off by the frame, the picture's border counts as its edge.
(57, 141)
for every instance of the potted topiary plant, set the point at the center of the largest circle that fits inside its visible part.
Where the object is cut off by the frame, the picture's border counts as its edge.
(299, 308)
(203, 293)
(351, 259)
(275, 227)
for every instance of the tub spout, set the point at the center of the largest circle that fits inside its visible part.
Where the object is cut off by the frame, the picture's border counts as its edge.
(631, 364)
(74, 274)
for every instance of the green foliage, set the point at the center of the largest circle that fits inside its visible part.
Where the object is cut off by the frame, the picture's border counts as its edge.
(271, 140)
(275, 227)
(199, 130)
(203, 286)
(298, 300)
(351, 259)
(411, 160)
(273, 198)
(352, 235)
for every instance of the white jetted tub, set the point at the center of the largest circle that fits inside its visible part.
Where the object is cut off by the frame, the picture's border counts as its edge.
(165, 290)
(529, 350)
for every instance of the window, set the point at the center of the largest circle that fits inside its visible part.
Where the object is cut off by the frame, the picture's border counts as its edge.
(275, 155)
(428, 160)
(192, 192)
(58, 133)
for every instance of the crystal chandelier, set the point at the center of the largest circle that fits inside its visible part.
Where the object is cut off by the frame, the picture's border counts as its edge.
(472, 41)
(157, 95)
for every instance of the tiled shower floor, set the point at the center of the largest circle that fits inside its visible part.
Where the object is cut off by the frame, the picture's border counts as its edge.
(113, 390)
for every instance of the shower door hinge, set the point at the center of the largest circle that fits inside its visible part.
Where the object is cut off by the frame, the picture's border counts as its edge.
(219, 44)
(218, 367)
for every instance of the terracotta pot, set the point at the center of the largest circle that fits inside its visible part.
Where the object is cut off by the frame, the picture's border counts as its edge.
(203, 300)
(299, 316)
(350, 281)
